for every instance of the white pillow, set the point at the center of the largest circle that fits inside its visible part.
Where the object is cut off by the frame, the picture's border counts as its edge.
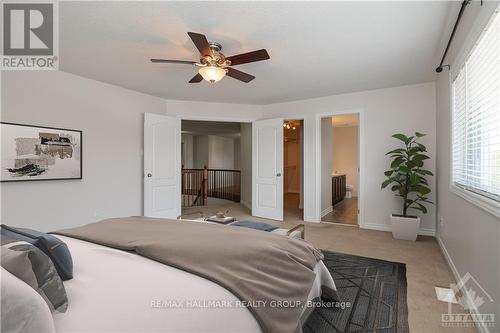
(23, 309)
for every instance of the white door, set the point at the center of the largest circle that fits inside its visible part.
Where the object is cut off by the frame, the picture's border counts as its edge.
(267, 169)
(162, 166)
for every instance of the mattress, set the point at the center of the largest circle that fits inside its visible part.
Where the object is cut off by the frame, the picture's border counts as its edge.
(118, 291)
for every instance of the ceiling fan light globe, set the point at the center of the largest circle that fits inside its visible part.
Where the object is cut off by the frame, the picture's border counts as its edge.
(212, 73)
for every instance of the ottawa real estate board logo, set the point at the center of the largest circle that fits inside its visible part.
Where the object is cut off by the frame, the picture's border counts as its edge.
(471, 297)
(29, 36)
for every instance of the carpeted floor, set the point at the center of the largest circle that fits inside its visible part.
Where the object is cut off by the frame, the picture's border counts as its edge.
(375, 290)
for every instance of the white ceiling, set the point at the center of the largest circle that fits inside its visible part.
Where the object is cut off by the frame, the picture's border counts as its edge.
(317, 49)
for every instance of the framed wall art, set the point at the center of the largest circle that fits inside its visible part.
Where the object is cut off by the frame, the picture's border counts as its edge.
(39, 153)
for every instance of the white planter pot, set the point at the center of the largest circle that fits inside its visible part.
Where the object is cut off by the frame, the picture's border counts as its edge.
(405, 227)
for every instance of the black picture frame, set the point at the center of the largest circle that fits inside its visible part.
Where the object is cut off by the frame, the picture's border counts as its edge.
(80, 132)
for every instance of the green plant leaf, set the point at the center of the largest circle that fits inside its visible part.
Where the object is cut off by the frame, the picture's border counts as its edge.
(421, 147)
(404, 169)
(388, 173)
(421, 208)
(419, 135)
(417, 163)
(421, 157)
(399, 150)
(400, 136)
(395, 188)
(424, 172)
(386, 182)
(414, 179)
(397, 162)
(423, 189)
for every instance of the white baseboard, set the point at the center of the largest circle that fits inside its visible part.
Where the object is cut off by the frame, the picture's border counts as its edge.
(470, 304)
(246, 204)
(312, 219)
(387, 227)
(327, 211)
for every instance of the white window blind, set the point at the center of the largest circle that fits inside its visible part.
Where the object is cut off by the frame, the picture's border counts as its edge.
(476, 117)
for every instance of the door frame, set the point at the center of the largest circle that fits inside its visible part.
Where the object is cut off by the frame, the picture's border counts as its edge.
(361, 158)
(304, 156)
(307, 150)
(225, 120)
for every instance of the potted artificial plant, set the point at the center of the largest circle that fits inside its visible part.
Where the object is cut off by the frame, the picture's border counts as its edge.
(408, 178)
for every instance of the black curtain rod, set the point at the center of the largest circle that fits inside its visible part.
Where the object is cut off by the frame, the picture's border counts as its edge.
(439, 69)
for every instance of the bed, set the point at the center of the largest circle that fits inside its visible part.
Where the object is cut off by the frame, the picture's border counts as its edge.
(140, 274)
(134, 303)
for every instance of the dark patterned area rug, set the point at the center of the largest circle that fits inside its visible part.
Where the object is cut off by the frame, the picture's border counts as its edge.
(375, 290)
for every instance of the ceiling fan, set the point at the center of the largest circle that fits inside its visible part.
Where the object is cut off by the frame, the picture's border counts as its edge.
(213, 65)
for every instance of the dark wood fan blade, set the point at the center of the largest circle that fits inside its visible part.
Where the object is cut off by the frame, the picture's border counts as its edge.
(197, 78)
(201, 43)
(239, 75)
(245, 58)
(168, 61)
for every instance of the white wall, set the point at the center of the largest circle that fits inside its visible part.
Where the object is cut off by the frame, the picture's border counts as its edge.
(246, 164)
(188, 146)
(469, 235)
(385, 111)
(326, 164)
(111, 119)
(213, 111)
(237, 154)
(200, 151)
(220, 152)
(345, 154)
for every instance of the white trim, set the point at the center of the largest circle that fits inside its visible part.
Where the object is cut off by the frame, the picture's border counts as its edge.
(456, 275)
(388, 228)
(487, 204)
(340, 223)
(246, 204)
(362, 166)
(221, 119)
(311, 219)
(327, 211)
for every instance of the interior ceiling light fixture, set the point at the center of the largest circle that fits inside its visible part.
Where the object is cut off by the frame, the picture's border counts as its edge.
(212, 74)
(289, 125)
(214, 65)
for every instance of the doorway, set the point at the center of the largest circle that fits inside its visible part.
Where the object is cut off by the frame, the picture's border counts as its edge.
(216, 167)
(340, 178)
(293, 156)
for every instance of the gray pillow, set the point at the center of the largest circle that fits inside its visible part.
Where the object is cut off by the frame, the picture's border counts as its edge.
(32, 266)
(52, 246)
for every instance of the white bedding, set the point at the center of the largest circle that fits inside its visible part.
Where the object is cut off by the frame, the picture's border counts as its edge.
(117, 291)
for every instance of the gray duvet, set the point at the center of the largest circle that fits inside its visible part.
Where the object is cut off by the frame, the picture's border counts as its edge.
(260, 268)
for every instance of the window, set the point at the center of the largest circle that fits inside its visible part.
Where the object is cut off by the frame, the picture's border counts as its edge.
(476, 118)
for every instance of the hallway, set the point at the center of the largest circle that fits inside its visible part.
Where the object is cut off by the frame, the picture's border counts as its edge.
(292, 211)
(345, 212)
